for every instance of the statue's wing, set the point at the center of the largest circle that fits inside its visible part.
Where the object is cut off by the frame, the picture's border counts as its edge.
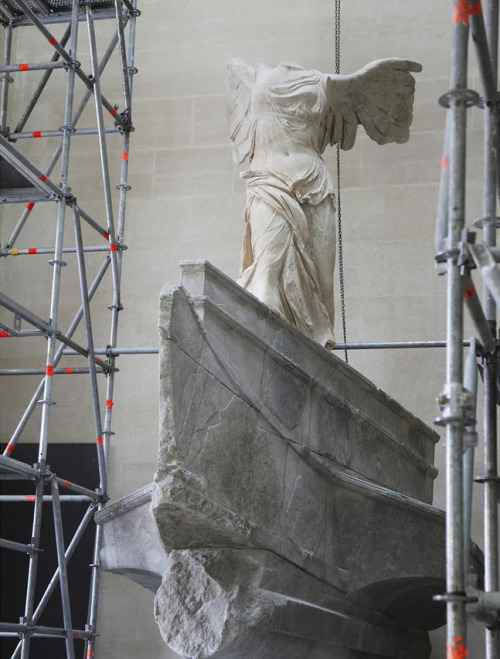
(239, 89)
(379, 96)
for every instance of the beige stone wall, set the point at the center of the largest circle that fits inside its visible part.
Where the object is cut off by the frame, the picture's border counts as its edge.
(186, 203)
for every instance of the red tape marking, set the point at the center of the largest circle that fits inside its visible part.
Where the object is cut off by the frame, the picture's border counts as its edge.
(112, 111)
(124, 155)
(470, 292)
(10, 448)
(49, 370)
(109, 404)
(30, 498)
(52, 41)
(4, 333)
(445, 162)
(42, 178)
(457, 650)
(68, 370)
(30, 205)
(106, 234)
(99, 440)
(464, 9)
(37, 133)
(90, 653)
(24, 67)
(112, 247)
(66, 483)
(31, 250)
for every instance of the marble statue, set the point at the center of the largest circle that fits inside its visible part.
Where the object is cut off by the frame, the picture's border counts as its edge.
(282, 119)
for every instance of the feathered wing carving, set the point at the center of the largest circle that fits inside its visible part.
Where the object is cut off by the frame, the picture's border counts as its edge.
(379, 96)
(239, 84)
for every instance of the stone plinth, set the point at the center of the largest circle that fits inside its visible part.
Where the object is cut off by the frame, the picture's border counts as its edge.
(291, 497)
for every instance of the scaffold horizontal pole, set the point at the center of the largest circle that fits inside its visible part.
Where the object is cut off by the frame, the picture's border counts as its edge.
(80, 370)
(57, 133)
(20, 628)
(47, 498)
(31, 251)
(16, 546)
(390, 345)
(31, 66)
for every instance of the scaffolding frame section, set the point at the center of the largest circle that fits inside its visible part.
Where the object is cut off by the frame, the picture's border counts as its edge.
(25, 182)
(457, 255)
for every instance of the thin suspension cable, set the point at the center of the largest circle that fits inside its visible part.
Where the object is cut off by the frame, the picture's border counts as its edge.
(339, 208)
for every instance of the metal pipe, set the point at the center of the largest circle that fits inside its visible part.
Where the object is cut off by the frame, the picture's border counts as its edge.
(20, 628)
(16, 546)
(103, 153)
(63, 572)
(31, 251)
(123, 54)
(31, 66)
(41, 371)
(455, 581)
(47, 498)
(90, 347)
(470, 441)
(477, 314)
(6, 80)
(490, 224)
(57, 133)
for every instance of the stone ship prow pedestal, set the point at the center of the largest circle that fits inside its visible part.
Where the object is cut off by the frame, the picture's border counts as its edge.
(290, 512)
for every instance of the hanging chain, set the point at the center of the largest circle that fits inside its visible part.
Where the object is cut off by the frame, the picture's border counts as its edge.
(339, 213)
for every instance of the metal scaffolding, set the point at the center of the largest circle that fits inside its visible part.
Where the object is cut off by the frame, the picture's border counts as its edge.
(457, 255)
(25, 181)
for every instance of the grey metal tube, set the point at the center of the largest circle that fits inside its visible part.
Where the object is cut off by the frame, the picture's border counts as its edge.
(31, 66)
(90, 346)
(477, 314)
(63, 572)
(47, 498)
(5, 80)
(455, 582)
(57, 133)
(470, 382)
(123, 54)
(16, 546)
(103, 152)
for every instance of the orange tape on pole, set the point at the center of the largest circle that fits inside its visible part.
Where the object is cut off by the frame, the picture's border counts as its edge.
(31, 250)
(112, 247)
(90, 653)
(99, 440)
(464, 9)
(109, 404)
(52, 41)
(457, 650)
(30, 498)
(68, 370)
(66, 483)
(24, 67)
(106, 234)
(49, 370)
(30, 205)
(112, 111)
(9, 448)
(43, 178)
(470, 292)
(4, 334)
(124, 155)
(445, 162)
(37, 133)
